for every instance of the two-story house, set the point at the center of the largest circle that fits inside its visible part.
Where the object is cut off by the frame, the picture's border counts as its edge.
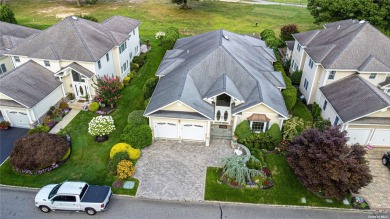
(346, 70)
(211, 82)
(76, 51)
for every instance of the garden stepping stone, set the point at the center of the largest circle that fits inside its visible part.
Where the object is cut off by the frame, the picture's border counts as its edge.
(303, 200)
(129, 185)
(329, 201)
(346, 202)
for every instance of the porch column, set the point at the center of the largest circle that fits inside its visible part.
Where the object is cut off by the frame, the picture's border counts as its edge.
(208, 133)
(234, 124)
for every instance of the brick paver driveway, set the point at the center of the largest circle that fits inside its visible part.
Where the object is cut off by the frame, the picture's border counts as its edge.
(177, 171)
(377, 193)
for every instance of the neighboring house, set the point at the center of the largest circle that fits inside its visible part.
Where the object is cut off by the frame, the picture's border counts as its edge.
(346, 70)
(211, 82)
(75, 51)
(27, 92)
(10, 36)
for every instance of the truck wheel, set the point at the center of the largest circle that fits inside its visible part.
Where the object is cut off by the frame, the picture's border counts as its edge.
(385, 161)
(90, 211)
(44, 209)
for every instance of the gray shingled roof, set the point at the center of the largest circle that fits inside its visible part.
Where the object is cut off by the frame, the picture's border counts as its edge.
(385, 82)
(290, 45)
(12, 34)
(77, 39)
(80, 69)
(373, 120)
(348, 45)
(28, 84)
(178, 115)
(203, 65)
(353, 97)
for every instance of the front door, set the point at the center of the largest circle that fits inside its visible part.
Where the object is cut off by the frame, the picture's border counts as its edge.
(79, 85)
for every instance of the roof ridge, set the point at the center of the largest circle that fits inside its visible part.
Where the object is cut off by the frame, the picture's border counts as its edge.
(81, 38)
(371, 86)
(183, 81)
(347, 44)
(315, 34)
(54, 52)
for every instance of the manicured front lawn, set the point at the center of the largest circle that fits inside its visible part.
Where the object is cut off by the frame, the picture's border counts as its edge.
(89, 159)
(287, 190)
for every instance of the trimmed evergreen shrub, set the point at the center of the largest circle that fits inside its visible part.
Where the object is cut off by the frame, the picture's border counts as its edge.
(146, 102)
(37, 151)
(63, 105)
(120, 147)
(296, 77)
(290, 93)
(139, 136)
(137, 117)
(7, 15)
(94, 106)
(140, 60)
(275, 134)
(149, 87)
(126, 80)
(134, 153)
(39, 129)
(169, 40)
(113, 163)
(267, 33)
(243, 130)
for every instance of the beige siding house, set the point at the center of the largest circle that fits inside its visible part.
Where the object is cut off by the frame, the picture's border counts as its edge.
(346, 70)
(211, 82)
(75, 51)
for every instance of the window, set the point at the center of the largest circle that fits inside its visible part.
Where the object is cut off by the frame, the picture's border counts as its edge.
(17, 59)
(65, 198)
(257, 126)
(311, 63)
(47, 63)
(77, 77)
(336, 120)
(3, 69)
(108, 57)
(292, 63)
(332, 74)
(299, 47)
(136, 49)
(133, 32)
(124, 67)
(130, 55)
(295, 67)
(372, 76)
(122, 47)
(306, 84)
(324, 106)
(99, 64)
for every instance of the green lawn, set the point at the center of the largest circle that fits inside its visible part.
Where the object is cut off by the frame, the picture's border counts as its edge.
(156, 15)
(298, 2)
(89, 159)
(301, 111)
(287, 190)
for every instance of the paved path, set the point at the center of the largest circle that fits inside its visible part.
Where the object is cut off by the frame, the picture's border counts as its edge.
(65, 121)
(171, 170)
(378, 192)
(7, 139)
(17, 203)
(263, 2)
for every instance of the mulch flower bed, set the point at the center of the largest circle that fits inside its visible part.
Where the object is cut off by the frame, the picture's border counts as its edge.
(105, 111)
(117, 184)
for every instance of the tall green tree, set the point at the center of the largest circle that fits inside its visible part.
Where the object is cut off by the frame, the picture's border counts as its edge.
(377, 12)
(7, 15)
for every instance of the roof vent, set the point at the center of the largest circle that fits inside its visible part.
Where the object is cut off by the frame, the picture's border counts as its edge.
(74, 18)
(362, 22)
(226, 37)
(188, 51)
(338, 28)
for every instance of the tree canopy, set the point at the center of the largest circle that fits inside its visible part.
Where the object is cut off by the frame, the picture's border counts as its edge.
(326, 165)
(7, 15)
(377, 12)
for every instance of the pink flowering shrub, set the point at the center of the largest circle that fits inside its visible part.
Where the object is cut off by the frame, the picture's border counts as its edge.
(108, 89)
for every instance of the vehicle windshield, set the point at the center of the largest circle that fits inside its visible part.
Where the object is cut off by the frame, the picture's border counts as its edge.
(83, 191)
(54, 190)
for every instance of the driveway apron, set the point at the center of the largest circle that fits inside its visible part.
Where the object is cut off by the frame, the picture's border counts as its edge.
(7, 139)
(173, 170)
(377, 193)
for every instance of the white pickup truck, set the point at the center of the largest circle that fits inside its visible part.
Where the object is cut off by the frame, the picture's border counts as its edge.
(73, 196)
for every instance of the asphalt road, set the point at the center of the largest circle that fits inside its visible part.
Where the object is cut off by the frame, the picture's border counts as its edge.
(19, 203)
(7, 139)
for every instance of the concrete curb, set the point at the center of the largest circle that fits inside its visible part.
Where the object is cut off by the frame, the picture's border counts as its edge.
(221, 202)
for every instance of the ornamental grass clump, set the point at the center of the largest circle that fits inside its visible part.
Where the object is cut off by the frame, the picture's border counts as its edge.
(125, 169)
(101, 126)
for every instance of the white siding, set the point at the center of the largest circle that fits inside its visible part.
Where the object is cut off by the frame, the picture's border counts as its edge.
(42, 107)
(310, 75)
(329, 113)
(107, 68)
(7, 61)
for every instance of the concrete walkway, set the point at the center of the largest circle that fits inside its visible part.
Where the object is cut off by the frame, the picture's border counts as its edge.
(173, 170)
(65, 121)
(377, 192)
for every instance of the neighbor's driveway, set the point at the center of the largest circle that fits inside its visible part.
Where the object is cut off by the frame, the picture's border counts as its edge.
(7, 139)
(378, 192)
(177, 171)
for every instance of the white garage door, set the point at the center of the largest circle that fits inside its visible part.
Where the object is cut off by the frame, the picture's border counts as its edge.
(193, 132)
(381, 137)
(358, 136)
(19, 119)
(165, 130)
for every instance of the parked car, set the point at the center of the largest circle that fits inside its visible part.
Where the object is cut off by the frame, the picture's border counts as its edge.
(386, 159)
(73, 196)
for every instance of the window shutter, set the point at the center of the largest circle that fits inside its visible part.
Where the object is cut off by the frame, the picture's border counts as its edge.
(266, 126)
